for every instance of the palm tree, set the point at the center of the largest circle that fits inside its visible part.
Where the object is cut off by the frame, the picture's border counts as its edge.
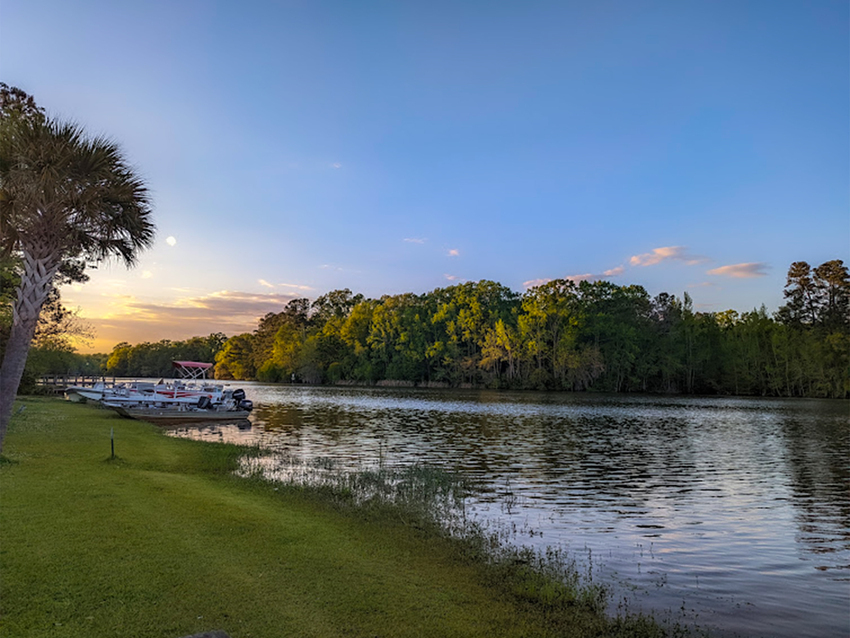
(64, 197)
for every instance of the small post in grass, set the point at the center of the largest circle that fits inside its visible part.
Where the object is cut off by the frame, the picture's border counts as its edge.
(112, 440)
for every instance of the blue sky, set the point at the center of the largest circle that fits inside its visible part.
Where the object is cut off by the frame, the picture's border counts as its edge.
(293, 148)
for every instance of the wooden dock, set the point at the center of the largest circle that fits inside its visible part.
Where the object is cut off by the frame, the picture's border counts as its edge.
(58, 383)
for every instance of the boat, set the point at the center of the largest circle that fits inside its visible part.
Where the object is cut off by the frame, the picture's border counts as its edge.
(176, 415)
(80, 393)
(164, 393)
(144, 390)
(232, 406)
(178, 390)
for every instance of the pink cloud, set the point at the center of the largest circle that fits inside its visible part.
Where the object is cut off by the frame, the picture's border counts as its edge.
(614, 272)
(666, 253)
(611, 272)
(533, 283)
(741, 271)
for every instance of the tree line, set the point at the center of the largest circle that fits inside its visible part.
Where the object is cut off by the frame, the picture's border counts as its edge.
(561, 335)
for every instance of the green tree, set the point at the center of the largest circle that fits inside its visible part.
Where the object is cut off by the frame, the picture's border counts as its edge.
(832, 282)
(329, 315)
(50, 356)
(550, 325)
(461, 318)
(616, 320)
(63, 196)
(295, 313)
(201, 349)
(118, 363)
(235, 360)
(801, 293)
(810, 351)
(397, 351)
(286, 354)
(334, 307)
(500, 352)
(355, 333)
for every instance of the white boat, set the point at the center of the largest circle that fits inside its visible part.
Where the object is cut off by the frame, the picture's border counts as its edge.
(177, 391)
(163, 393)
(79, 393)
(232, 405)
(123, 392)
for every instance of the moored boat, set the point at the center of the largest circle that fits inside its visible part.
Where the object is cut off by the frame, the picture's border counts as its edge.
(174, 415)
(230, 405)
(188, 388)
(79, 393)
(163, 393)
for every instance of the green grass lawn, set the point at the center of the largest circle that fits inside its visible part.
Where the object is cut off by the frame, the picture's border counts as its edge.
(165, 541)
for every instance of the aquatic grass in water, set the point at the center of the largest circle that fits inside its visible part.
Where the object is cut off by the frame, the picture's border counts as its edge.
(435, 499)
(420, 494)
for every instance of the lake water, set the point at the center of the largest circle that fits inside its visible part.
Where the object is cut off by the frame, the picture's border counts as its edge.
(730, 513)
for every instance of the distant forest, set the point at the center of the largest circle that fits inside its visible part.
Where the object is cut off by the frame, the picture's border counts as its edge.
(562, 335)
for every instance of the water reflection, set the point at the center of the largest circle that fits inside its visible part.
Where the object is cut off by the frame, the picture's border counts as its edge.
(740, 508)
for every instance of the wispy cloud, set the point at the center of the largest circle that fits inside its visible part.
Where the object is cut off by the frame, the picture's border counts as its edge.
(741, 271)
(454, 252)
(336, 165)
(296, 286)
(611, 272)
(415, 240)
(666, 253)
(267, 284)
(452, 277)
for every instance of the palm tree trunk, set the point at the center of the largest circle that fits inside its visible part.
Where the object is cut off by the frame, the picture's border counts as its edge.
(35, 285)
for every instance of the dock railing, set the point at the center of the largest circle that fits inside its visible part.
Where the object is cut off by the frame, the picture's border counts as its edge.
(58, 383)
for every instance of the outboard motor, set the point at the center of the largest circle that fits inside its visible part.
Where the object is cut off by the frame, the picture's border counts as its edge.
(246, 404)
(238, 395)
(204, 402)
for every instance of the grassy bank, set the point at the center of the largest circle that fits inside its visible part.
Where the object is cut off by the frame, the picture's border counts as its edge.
(165, 541)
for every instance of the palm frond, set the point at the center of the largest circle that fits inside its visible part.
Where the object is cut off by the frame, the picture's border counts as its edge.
(76, 194)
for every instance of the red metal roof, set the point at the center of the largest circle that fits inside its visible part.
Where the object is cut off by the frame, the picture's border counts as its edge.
(191, 364)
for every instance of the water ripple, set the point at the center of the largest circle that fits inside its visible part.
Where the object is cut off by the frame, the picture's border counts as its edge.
(738, 507)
